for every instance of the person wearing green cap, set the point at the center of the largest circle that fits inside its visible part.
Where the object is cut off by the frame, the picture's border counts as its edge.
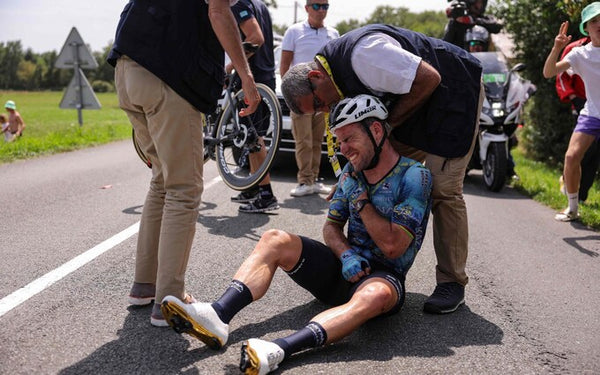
(584, 61)
(16, 125)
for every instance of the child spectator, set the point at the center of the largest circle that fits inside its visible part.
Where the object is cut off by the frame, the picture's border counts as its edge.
(16, 125)
(584, 61)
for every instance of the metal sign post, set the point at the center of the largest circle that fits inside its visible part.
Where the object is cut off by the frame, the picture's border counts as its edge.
(79, 94)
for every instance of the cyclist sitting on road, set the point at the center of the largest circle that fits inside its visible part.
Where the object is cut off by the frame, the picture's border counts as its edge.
(384, 198)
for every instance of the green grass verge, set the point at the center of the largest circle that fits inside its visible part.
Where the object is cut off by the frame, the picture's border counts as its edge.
(50, 129)
(540, 182)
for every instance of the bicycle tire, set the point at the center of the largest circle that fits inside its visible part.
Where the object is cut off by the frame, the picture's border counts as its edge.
(230, 157)
(139, 151)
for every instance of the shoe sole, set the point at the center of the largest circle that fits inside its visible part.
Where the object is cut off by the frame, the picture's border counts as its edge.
(431, 309)
(249, 200)
(181, 322)
(294, 194)
(161, 323)
(565, 218)
(260, 210)
(249, 362)
(140, 301)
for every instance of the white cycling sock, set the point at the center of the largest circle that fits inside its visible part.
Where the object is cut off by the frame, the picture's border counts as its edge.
(573, 202)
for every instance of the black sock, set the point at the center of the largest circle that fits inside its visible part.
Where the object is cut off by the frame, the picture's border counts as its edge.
(265, 191)
(236, 297)
(311, 336)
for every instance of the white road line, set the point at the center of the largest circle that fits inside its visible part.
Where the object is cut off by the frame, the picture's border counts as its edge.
(18, 297)
(21, 295)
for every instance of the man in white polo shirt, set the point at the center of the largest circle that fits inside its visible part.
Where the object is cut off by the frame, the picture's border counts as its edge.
(301, 43)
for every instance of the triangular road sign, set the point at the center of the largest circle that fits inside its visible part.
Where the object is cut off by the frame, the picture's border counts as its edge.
(74, 50)
(72, 98)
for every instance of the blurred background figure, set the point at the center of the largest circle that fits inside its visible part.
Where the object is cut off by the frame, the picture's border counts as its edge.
(570, 89)
(463, 16)
(16, 125)
(301, 43)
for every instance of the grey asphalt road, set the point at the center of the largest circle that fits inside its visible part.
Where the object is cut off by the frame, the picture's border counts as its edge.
(532, 300)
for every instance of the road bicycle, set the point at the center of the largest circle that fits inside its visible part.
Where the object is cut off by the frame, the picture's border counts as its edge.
(229, 139)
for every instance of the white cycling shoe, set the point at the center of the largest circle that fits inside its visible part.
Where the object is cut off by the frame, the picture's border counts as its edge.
(196, 319)
(260, 357)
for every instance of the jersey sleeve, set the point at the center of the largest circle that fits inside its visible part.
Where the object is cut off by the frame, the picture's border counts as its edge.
(411, 212)
(242, 11)
(339, 208)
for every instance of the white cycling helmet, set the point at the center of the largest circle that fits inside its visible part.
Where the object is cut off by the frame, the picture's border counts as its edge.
(356, 109)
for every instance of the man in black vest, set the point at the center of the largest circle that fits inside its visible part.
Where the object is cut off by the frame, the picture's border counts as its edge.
(434, 93)
(169, 72)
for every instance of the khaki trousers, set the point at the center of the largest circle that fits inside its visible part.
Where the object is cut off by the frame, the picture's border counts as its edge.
(169, 131)
(450, 222)
(308, 133)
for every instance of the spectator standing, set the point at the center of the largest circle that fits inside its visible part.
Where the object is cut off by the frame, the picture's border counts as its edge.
(16, 125)
(254, 22)
(570, 89)
(584, 61)
(301, 42)
(169, 72)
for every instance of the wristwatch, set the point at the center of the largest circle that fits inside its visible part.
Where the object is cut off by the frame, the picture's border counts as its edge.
(361, 204)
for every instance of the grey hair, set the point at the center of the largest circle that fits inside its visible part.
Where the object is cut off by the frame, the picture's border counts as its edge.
(295, 83)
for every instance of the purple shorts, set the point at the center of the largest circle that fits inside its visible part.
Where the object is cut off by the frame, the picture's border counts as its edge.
(588, 125)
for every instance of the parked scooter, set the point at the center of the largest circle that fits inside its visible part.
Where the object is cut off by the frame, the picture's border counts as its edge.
(505, 95)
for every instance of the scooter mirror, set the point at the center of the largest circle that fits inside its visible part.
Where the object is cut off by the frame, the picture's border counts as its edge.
(519, 67)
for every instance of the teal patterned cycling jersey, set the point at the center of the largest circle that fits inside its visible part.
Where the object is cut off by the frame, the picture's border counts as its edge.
(403, 196)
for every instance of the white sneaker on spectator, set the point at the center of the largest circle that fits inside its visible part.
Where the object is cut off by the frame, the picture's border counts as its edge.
(302, 190)
(319, 188)
(566, 215)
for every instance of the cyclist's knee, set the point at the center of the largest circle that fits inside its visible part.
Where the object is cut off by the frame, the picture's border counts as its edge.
(282, 245)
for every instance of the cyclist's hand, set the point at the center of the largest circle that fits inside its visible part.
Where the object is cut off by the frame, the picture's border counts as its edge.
(354, 266)
(251, 97)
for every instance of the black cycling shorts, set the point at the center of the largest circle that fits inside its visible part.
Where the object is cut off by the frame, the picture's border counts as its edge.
(320, 272)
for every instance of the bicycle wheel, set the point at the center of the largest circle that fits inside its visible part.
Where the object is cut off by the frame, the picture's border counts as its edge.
(235, 143)
(139, 151)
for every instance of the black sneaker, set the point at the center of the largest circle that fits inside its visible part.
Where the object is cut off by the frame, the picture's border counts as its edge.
(260, 204)
(446, 298)
(245, 197)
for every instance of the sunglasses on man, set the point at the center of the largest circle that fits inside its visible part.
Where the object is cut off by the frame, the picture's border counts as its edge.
(316, 6)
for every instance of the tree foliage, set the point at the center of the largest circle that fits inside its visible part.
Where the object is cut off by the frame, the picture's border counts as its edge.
(429, 22)
(533, 25)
